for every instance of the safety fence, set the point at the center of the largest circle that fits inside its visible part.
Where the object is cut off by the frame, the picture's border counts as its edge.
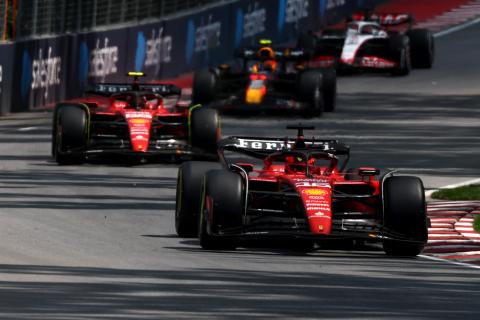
(40, 72)
(34, 18)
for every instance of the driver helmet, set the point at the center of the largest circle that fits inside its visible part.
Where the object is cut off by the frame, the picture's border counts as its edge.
(267, 57)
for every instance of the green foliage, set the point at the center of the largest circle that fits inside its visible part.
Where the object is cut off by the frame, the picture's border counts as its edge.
(471, 192)
(476, 223)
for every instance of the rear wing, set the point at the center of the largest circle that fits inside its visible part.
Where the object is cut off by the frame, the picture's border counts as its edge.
(107, 89)
(262, 147)
(386, 19)
(281, 54)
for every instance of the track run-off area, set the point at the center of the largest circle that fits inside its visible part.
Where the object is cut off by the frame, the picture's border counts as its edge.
(97, 241)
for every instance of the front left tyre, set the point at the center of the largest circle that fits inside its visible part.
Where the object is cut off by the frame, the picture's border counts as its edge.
(222, 206)
(405, 215)
(69, 135)
(189, 194)
(400, 49)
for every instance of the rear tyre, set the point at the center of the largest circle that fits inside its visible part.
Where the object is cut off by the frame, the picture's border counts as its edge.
(205, 129)
(70, 135)
(222, 209)
(204, 87)
(422, 46)
(309, 91)
(330, 89)
(189, 196)
(405, 214)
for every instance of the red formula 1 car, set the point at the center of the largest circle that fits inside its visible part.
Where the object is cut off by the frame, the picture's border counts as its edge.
(373, 42)
(299, 189)
(141, 120)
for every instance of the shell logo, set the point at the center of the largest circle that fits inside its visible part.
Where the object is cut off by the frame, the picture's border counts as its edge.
(315, 192)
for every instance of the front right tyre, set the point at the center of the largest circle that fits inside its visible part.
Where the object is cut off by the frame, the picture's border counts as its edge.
(204, 87)
(329, 89)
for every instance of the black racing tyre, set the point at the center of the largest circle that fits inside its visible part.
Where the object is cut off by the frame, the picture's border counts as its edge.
(189, 196)
(204, 87)
(400, 50)
(330, 89)
(70, 135)
(405, 64)
(405, 214)
(205, 129)
(352, 175)
(309, 91)
(422, 44)
(224, 190)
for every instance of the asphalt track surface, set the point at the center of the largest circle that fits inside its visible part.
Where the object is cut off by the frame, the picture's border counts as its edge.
(97, 241)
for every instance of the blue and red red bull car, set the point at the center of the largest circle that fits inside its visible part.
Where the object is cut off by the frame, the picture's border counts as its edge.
(267, 79)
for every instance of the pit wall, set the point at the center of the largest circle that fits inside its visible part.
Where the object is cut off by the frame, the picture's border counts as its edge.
(38, 73)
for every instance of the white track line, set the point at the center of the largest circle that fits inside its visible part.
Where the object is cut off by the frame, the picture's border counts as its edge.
(26, 129)
(457, 28)
(461, 264)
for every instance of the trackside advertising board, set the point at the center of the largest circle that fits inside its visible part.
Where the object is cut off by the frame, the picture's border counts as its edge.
(38, 73)
(6, 71)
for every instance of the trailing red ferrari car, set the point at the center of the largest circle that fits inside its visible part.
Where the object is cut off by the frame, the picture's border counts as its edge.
(373, 42)
(299, 189)
(140, 120)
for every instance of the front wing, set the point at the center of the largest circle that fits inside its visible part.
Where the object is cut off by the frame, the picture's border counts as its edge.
(267, 223)
(164, 147)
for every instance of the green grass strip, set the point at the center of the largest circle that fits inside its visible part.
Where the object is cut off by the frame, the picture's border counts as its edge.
(476, 223)
(471, 192)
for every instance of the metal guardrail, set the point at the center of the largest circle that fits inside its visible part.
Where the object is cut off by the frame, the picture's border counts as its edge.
(44, 17)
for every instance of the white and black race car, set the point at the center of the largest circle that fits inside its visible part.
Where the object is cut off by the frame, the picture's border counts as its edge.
(372, 43)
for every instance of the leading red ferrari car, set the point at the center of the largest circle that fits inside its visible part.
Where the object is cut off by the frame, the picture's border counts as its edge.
(139, 120)
(299, 189)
